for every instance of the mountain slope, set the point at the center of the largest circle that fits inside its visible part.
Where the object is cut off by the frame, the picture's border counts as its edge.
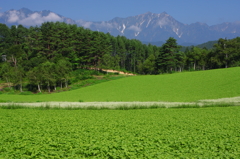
(151, 27)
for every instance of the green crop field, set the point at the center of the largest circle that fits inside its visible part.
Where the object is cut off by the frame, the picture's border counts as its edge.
(143, 133)
(178, 87)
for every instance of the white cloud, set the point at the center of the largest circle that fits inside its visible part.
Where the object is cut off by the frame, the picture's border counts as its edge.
(32, 19)
(87, 24)
(37, 19)
(52, 17)
(134, 28)
(1, 14)
(84, 23)
(21, 15)
(13, 16)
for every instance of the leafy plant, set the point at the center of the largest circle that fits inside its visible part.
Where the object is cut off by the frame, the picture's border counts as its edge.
(46, 132)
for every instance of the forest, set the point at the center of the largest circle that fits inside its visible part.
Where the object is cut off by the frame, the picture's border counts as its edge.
(46, 55)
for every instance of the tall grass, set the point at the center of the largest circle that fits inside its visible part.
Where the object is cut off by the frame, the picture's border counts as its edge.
(120, 107)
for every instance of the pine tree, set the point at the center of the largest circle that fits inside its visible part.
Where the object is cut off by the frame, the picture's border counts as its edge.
(166, 61)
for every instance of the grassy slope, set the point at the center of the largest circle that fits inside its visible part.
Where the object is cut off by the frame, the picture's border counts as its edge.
(179, 87)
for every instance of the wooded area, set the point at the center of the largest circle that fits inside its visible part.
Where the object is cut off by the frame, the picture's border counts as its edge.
(47, 54)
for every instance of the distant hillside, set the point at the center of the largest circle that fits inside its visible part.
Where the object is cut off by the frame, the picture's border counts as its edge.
(157, 43)
(184, 46)
(160, 43)
(208, 45)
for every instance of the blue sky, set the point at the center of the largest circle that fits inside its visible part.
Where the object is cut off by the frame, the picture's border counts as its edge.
(186, 11)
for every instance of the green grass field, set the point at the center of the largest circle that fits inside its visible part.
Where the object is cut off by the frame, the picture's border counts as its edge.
(144, 133)
(210, 132)
(178, 87)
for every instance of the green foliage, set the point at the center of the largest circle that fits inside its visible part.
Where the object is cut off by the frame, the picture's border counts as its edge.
(44, 56)
(148, 66)
(83, 74)
(148, 133)
(166, 61)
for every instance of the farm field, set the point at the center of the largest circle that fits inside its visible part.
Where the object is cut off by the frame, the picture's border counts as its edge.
(142, 133)
(178, 87)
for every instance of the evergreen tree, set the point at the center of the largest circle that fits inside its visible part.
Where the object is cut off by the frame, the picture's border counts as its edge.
(35, 77)
(166, 61)
(149, 65)
(7, 73)
(5, 38)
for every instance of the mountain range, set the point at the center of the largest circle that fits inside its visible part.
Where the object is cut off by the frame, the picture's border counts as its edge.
(147, 27)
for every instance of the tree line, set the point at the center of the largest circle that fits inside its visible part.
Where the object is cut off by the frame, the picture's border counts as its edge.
(46, 55)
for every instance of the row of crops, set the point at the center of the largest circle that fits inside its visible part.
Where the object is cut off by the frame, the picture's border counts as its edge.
(149, 133)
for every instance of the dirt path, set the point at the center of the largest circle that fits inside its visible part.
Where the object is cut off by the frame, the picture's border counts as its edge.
(3, 85)
(120, 72)
(114, 71)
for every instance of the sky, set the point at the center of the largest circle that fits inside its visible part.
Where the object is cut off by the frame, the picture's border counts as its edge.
(185, 11)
